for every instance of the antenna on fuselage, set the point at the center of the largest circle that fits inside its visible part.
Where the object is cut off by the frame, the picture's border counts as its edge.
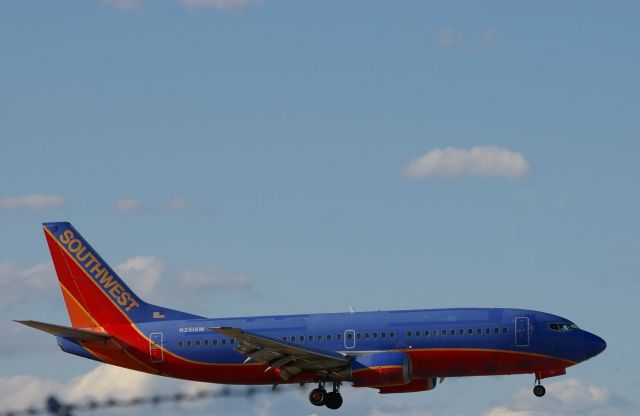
(352, 309)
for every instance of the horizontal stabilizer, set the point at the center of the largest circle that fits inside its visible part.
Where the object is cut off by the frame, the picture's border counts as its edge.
(67, 332)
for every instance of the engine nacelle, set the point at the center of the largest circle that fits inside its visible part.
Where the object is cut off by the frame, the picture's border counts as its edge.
(381, 369)
(420, 384)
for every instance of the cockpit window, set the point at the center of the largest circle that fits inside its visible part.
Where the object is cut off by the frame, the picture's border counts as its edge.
(562, 327)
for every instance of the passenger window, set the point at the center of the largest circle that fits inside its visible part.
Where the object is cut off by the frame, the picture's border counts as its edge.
(188, 343)
(487, 331)
(224, 342)
(505, 330)
(232, 341)
(461, 332)
(206, 342)
(328, 337)
(293, 338)
(197, 343)
(383, 335)
(418, 334)
(375, 335)
(319, 337)
(496, 331)
(435, 332)
(426, 333)
(214, 342)
(366, 335)
(284, 338)
(392, 334)
(478, 331)
(358, 335)
(452, 332)
(339, 337)
(179, 344)
(443, 332)
(310, 338)
(349, 336)
(469, 331)
(301, 338)
(408, 334)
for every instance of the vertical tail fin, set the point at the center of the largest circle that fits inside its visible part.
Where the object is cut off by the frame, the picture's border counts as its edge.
(93, 292)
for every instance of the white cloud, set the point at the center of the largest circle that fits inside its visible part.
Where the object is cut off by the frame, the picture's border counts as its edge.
(122, 4)
(177, 204)
(489, 38)
(101, 383)
(448, 37)
(20, 391)
(127, 205)
(480, 161)
(226, 5)
(142, 272)
(211, 280)
(20, 285)
(563, 398)
(32, 202)
(145, 275)
(503, 411)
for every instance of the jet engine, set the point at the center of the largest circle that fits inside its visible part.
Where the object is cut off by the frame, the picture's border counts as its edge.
(381, 369)
(418, 384)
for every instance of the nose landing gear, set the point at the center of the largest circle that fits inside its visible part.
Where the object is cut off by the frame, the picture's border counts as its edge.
(538, 389)
(320, 397)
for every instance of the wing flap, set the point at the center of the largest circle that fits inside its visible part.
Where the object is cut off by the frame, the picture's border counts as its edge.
(67, 332)
(290, 359)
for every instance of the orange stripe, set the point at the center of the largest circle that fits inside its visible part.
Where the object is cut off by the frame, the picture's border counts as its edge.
(378, 367)
(78, 308)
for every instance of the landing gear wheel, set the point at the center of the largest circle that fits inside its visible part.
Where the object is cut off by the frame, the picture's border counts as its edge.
(333, 400)
(318, 397)
(539, 390)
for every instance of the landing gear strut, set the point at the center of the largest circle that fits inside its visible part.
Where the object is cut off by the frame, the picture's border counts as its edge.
(538, 389)
(320, 397)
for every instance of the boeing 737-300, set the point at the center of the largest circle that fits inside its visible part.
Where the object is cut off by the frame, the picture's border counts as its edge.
(393, 351)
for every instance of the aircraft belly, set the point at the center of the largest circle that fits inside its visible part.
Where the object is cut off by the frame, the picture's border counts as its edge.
(475, 362)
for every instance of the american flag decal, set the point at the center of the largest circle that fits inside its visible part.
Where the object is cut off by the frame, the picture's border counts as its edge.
(158, 315)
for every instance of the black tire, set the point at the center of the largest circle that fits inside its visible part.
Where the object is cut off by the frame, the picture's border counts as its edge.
(539, 390)
(317, 397)
(333, 400)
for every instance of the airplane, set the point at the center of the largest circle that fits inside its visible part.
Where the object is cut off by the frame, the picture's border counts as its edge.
(397, 351)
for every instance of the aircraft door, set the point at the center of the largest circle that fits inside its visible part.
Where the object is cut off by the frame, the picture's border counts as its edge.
(156, 353)
(522, 332)
(349, 339)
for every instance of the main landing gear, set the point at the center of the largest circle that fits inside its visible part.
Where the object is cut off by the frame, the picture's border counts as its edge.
(538, 389)
(320, 397)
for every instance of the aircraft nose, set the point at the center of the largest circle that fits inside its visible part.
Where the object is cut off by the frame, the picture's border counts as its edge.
(597, 345)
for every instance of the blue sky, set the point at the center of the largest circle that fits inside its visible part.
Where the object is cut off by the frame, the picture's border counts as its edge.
(238, 157)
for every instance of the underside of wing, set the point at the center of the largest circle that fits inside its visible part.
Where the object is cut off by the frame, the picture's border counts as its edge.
(67, 332)
(287, 358)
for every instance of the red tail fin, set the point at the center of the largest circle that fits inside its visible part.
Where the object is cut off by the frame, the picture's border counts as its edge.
(94, 294)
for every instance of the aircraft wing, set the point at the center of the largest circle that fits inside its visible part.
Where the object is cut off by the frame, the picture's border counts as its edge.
(289, 359)
(67, 332)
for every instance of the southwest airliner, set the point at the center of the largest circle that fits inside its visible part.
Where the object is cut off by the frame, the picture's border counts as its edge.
(392, 351)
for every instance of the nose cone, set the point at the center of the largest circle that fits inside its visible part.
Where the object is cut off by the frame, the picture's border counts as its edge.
(596, 345)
